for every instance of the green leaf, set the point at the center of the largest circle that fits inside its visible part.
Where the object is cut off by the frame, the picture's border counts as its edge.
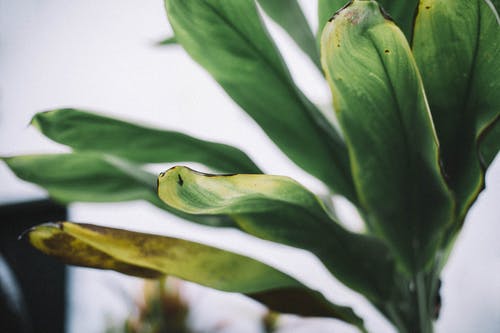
(308, 303)
(457, 47)
(380, 103)
(87, 131)
(154, 256)
(279, 209)
(289, 15)
(167, 41)
(402, 11)
(90, 177)
(229, 40)
(326, 9)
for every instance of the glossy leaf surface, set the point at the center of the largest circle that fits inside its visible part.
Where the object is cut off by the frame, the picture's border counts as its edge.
(87, 131)
(289, 15)
(380, 103)
(154, 256)
(89, 177)
(279, 209)
(402, 11)
(229, 40)
(457, 48)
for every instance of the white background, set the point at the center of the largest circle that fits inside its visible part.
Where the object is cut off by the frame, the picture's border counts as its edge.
(100, 55)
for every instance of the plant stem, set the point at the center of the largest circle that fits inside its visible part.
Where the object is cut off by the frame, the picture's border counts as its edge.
(422, 301)
(395, 318)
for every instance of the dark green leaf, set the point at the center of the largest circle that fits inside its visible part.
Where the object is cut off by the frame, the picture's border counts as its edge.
(86, 131)
(289, 15)
(381, 107)
(153, 256)
(402, 11)
(457, 47)
(281, 210)
(90, 177)
(307, 303)
(229, 40)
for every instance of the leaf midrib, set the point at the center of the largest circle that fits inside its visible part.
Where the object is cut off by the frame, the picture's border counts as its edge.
(283, 75)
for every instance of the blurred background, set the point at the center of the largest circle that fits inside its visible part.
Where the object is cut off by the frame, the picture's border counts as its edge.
(102, 56)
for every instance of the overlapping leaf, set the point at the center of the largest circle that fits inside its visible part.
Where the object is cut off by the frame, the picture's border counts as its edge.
(229, 40)
(402, 11)
(85, 131)
(91, 177)
(153, 256)
(281, 210)
(380, 103)
(457, 47)
(289, 15)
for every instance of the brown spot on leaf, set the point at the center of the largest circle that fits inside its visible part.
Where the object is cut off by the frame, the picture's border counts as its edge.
(59, 242)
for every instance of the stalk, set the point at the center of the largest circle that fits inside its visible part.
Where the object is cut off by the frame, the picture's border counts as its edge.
(395, 318)
(425, 319)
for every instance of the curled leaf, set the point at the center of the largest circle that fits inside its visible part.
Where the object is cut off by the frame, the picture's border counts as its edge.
(380, 102)
(279, 209)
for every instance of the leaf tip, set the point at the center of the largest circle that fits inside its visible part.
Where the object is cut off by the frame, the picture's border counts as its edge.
(44, 226)
(163, 179)
(37, 120)
(35, 123)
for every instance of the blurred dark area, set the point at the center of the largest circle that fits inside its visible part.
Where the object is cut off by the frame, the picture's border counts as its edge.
(32, 285)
